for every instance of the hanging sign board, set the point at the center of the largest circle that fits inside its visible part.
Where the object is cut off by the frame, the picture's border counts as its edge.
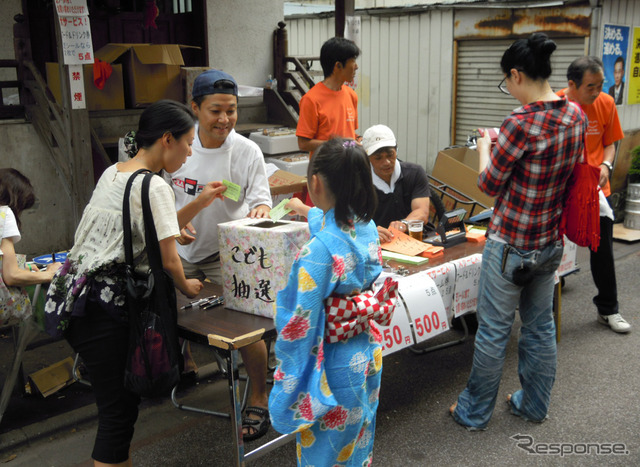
(75, 31)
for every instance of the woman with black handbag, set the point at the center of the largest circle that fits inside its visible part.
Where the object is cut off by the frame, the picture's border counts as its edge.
(86, 300)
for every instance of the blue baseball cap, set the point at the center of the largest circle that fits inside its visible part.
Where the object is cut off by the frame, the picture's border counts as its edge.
(205, 84)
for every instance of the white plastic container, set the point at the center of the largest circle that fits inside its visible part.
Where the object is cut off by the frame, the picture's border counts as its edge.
(296, 163)
(278, 141)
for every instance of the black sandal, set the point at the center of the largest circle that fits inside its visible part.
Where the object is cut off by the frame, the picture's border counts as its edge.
(258, 426)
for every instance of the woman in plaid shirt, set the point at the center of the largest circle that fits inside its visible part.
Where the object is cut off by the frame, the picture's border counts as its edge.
(527, 170)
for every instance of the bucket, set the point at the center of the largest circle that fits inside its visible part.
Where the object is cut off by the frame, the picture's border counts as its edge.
(633, 191)
(632, 214)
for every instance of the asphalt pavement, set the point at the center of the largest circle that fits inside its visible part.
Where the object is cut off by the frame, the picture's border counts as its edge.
(594, 417)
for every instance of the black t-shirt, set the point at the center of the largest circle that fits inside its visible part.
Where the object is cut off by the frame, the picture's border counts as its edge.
(413, 183)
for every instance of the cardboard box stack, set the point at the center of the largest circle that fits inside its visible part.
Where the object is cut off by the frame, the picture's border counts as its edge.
(142, 74)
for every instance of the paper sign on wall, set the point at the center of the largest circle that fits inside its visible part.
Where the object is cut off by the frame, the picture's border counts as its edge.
(634, 69)
(615, 43)
(75, 31)
(76, 86)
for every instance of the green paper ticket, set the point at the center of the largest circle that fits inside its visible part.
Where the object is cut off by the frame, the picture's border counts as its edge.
(279, 211)
(233, 190)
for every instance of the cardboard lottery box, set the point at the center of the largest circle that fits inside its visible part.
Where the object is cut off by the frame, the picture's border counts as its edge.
(256, 257)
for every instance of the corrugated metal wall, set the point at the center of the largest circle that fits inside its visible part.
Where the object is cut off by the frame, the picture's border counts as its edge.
(479, 102)
(625, 13)
(407, 69)
(405, 77)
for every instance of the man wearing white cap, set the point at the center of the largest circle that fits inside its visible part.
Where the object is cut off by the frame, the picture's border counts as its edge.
(402, 187)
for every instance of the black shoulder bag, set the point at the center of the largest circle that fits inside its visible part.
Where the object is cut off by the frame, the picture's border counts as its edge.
(154, 360)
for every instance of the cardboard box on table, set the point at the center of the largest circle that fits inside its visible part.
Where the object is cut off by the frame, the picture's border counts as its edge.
(188, 75)
(282, 182)
(459, 169)
(110, 97)
(256, 257)
(152, 71)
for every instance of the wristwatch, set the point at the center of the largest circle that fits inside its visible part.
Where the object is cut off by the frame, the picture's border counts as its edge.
(609, 166)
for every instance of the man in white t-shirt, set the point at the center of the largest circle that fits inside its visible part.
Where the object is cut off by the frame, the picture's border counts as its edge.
(219, 153)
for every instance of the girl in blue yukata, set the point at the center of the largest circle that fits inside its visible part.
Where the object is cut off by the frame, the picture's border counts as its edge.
(327, 380)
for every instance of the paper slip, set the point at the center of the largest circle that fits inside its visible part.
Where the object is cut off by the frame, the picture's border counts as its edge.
(233, 190)
(403, 243)
(279, 211)
(399, 257)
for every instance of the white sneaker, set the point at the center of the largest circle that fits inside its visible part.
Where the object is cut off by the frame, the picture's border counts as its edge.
(616, 322)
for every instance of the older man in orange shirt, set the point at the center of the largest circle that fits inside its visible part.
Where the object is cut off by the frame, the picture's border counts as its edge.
(585, 76)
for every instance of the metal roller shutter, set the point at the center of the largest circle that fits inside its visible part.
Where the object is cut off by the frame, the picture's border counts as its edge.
(479, 102)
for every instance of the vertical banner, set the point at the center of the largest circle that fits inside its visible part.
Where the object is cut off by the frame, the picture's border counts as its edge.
(634, 69)
(352, 28)
(615, 46)
(76, 87)
(77, 46)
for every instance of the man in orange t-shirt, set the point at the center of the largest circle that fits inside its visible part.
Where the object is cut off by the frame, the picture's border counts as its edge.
(330, 108)
(585, 77)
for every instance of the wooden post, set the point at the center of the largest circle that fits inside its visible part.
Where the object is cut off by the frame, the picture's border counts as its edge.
(281, 50)
(22, 50)
(78, 138)
(344, 8)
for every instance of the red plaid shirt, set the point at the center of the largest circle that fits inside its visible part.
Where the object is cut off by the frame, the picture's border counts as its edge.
(537, 148)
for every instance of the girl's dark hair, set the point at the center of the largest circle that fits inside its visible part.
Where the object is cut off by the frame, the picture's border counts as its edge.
(532, 56)
(345, 169)
(165, 116)
(16, 192)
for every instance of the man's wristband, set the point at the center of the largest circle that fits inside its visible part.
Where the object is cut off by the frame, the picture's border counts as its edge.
(609, 166)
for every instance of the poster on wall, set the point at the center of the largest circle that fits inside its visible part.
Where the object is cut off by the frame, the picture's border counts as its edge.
(615, 45)
(352, 28)
(634, 69)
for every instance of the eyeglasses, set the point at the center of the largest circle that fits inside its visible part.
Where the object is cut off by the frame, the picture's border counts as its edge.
(503, 86)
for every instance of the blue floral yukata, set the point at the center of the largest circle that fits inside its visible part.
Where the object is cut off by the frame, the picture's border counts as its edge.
(327, 393)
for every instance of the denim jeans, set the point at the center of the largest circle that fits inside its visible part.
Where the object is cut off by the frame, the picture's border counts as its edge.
(498, 297)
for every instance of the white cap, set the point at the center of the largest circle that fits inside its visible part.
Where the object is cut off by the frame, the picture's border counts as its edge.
(376, 137)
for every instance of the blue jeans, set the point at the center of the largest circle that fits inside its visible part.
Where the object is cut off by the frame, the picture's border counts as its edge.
(498, 297)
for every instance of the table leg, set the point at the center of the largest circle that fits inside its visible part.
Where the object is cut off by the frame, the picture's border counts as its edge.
(236, 406)
(27, 331)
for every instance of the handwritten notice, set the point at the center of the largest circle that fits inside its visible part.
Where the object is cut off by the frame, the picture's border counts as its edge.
(75, 32)
(467, 281)
(403, 243)
(71, 7)
(233, 190)
(568, 262)
(444, 276)
(279, 211)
